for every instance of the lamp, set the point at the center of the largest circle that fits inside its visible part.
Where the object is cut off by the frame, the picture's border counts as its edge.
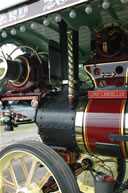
(72, 14)
(58, 18)
(124, 1)
(88, 9)
(105, 4)
(13, 31)
(4, 34)
(33, 25)
(46, 22)
(22, 28)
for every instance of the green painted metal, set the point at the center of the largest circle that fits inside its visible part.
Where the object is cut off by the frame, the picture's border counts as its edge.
(86, 24)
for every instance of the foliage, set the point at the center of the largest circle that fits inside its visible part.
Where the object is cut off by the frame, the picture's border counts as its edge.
(84, 78)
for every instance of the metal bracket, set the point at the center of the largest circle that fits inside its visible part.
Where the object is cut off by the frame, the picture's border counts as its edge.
(115, 137)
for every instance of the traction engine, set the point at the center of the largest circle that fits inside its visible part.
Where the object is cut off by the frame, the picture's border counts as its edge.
(81, 129)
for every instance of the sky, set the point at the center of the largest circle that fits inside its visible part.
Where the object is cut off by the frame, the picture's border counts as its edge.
(6, 49)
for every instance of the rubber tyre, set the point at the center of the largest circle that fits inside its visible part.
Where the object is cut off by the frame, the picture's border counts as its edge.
(51, 159)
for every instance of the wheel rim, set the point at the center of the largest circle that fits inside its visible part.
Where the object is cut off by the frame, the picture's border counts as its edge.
(25, 173)
(109, 166)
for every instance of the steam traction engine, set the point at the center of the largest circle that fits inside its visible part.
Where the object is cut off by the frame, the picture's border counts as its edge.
(84, 131)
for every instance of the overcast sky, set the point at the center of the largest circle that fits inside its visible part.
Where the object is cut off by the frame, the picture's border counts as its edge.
(6, 49)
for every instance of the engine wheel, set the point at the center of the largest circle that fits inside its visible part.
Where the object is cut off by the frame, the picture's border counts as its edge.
(32, 167)
(110, 166)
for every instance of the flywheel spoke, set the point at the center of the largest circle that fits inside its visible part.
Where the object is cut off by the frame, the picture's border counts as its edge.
(13, 177)
(44, 180)
(10, 184)
(106, 160)
(106, 168)
(24, 167)
(31, 173)
(85, 177)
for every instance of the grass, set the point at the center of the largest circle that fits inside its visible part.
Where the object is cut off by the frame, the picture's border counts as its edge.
(19, 128)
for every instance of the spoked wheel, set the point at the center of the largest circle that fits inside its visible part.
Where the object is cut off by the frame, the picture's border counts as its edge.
(107, 166)
(32, 167)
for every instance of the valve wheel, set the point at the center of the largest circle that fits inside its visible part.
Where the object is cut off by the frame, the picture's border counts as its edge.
(110, 166)
(32, 167)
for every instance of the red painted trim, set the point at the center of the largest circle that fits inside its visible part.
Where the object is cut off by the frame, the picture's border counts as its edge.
(107, 94)
(19, 98)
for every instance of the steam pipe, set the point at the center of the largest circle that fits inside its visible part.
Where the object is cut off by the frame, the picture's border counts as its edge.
(71, 91)
(73, 76)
